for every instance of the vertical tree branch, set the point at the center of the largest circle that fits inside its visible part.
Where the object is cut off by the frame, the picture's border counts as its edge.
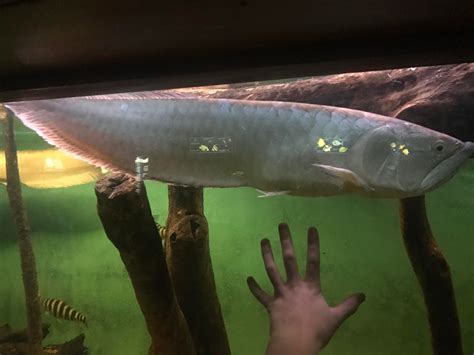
(126, 216)
(189, 263)
(434, 276)
(27, 257)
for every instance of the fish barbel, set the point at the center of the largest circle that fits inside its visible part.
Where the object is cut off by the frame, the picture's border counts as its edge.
(278, 147)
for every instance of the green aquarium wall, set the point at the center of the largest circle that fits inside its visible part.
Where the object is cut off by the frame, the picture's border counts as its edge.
(361, 250)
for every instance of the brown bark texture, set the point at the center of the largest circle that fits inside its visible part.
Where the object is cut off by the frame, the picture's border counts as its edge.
(434, 276)
(27, 257)
(128, 222)
(437, 97)
(189, 263)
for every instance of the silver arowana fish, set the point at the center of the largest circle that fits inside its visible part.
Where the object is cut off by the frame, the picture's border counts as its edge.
(277, 147)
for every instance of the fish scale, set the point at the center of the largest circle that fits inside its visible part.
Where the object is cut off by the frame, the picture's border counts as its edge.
(299, 149)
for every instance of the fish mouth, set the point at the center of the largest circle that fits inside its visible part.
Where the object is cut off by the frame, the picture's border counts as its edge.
(436, 177)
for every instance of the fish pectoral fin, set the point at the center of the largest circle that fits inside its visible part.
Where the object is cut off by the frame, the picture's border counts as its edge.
(271, 193)
(347, 179)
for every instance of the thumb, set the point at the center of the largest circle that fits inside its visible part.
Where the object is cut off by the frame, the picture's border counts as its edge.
(347, 307)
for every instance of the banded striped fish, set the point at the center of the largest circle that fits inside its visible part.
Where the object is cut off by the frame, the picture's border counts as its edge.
(61, 310)
(161, 230)
(277, 147)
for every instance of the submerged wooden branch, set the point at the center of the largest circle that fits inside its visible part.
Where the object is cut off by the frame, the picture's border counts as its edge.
(7, 335)
(189, 263)
(74, 346)
(15, 342)
(27, 257)
(126, 216)
(437, 97)
(434, 276)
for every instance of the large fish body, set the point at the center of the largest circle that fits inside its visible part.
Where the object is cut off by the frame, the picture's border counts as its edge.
(299, 149)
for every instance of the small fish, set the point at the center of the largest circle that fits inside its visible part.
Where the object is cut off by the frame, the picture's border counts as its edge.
(50, 168)
(161, 230)
(61, 310)
(302, 149)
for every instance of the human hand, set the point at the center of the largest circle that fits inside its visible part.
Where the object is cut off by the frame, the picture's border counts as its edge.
(301, 321)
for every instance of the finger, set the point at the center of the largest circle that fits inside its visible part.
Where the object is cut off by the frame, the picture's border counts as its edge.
(347, 307)
(313, 258)
(270, 266)
(289, 258)
(263, 297)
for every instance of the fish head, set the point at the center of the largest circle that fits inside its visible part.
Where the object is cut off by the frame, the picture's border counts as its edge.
(401, 160)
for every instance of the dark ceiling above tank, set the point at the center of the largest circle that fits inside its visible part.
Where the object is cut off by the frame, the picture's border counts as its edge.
(65, 48)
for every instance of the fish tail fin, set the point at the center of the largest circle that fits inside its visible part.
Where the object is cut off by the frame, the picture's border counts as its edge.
(46, 119)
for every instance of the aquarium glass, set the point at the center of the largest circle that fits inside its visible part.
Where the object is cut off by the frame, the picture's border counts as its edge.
(361, 250)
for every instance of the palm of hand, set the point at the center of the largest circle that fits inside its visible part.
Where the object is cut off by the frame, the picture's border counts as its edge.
(301, 321)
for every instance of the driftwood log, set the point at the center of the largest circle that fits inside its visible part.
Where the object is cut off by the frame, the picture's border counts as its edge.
(5, 329)
(438, 97)
(74, 346)
(126, 216)
(433, 273)
(189, 263)
(15, 342)
(7, 335)
(441, 98)
(27, 256)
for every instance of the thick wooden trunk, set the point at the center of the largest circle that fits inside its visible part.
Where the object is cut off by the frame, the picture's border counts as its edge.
(189, 263)
(126, 216)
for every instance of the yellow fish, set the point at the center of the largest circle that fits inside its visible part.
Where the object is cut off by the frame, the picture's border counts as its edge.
(50, 168)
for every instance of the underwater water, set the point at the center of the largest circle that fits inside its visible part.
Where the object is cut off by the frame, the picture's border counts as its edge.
(361, 250)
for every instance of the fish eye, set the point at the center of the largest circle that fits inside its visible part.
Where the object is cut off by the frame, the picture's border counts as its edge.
(439, 146)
